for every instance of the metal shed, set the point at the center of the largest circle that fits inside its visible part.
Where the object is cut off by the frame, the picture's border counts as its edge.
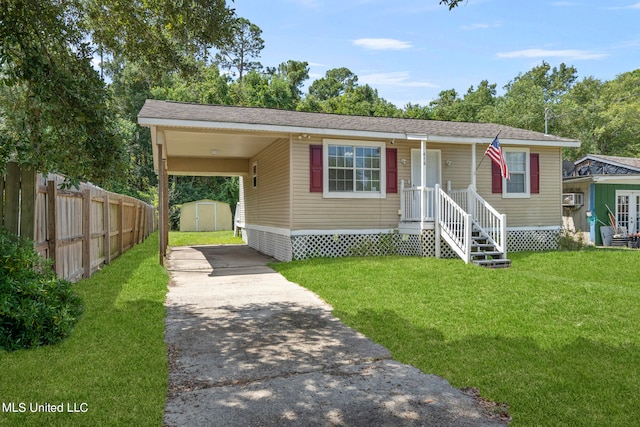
(205, 215)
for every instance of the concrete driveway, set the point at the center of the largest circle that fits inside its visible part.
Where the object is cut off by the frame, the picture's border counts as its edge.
(249, 348)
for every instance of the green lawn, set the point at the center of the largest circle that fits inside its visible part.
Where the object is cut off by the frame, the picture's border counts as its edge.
(556, 336)
(114, 364)
(182, 238)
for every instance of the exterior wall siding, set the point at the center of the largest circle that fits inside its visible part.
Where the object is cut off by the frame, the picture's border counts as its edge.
(605, 195)
(313, 212)
(543, 209)
(283, 201)
(269, 203)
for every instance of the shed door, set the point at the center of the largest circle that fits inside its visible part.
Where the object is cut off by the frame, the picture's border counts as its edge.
(206, 216)
(628, 210)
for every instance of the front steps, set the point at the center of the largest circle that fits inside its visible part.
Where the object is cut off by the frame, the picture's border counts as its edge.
(484, 253)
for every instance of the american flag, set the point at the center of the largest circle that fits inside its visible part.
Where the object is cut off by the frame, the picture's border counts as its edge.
(494, 151)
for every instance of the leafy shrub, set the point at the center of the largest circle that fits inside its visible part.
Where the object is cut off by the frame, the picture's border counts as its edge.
(36, 308)
(570, 241)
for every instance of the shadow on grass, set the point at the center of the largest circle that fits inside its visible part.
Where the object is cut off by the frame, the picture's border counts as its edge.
(584, 382)
(114, 361)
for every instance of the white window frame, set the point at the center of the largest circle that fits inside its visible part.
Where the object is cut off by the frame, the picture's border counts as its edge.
(527, 174)
(381, 194)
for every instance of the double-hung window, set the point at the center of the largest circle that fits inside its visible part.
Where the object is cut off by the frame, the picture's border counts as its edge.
(518, 164)
(354, 169)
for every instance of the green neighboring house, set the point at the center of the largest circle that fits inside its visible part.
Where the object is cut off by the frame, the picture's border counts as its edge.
(596, 185)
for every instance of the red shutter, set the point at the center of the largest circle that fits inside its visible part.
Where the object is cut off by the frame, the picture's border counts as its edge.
(392, 170)
(315, 168)
(496, 178)
(534, 165)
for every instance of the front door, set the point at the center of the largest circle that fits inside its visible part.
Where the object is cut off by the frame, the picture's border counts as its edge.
(431, 171)
(432, 176)
(628, 210)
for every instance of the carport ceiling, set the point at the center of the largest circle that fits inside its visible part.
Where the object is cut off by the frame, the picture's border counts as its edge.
(211, 144)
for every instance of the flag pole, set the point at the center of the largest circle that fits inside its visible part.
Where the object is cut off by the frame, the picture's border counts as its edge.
(478, 167)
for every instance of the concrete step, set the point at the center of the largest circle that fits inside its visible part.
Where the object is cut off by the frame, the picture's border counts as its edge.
(493, 263)
(485, 254)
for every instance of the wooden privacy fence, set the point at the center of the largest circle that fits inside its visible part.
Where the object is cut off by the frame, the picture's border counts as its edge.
(78, 229)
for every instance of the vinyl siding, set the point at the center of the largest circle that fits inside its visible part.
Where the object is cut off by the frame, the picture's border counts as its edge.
(543, 209)
(269, 203)
(459, 172)
(313, 212)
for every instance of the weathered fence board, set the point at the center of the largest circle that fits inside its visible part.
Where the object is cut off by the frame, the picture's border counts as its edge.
(78, 229)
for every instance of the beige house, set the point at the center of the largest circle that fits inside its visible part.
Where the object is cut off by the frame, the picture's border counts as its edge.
(318, 184)
(205, 215)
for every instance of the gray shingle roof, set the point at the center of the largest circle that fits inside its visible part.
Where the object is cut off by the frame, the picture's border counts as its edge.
(170, 110)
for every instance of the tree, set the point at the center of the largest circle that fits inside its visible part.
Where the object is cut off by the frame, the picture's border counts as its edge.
(336, 82)
(163, 34)
(53, 110)
(295, 73)
(265, 90)
(245, 45)
(528, 95)
(444, 107)
(605, 116)
(451, 3)
(477, 104)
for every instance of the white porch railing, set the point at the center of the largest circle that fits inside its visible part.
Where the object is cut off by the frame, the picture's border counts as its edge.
(410, 203)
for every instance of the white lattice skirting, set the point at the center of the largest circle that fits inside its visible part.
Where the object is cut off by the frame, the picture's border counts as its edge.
(339, 245)
(532, 240)
(272, 244)
(286, 248)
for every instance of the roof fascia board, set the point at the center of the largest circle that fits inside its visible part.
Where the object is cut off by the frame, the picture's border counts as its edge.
(144, 121)
(470, 140)
(267, 128)
(617, 179)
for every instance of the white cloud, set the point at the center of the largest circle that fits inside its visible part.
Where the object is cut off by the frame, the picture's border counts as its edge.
(382, 44)
(631, 6)
(573, 54)
(395, 78)
(480, 26)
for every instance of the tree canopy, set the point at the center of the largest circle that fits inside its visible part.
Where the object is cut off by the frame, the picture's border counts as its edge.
(57, 113)
(55, 110)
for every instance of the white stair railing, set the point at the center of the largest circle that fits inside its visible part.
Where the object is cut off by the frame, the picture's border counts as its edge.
(454, 223)
(492, 222)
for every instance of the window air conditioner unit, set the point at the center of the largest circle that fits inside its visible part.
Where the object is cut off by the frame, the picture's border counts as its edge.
(572, 199)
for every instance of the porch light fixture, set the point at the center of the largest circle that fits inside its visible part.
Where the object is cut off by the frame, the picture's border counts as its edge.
(214, 152)
(404, 162)
(448, 162)
(304, 136)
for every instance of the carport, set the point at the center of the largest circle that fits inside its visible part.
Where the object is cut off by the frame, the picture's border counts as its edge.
(188, 140)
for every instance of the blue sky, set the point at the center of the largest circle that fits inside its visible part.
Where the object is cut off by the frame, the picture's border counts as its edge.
(410, 50)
